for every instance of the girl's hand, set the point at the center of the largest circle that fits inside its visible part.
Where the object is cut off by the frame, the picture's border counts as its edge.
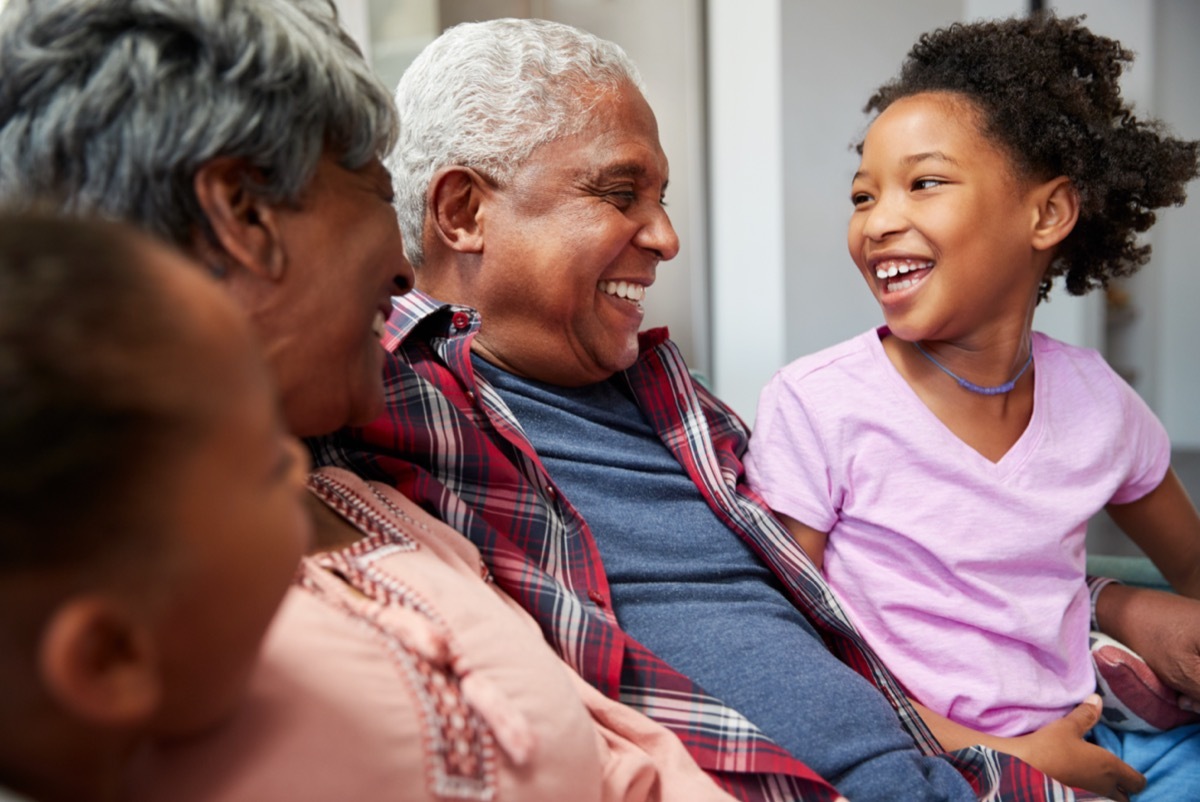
(1057, 749)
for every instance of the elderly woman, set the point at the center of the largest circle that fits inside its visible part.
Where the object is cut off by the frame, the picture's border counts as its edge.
(249, 132)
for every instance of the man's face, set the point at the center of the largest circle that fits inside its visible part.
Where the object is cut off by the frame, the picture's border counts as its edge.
(571, 244)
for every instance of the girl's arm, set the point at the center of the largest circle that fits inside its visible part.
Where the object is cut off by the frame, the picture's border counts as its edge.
(1165, 525)
(811, 540)
(1058, 749)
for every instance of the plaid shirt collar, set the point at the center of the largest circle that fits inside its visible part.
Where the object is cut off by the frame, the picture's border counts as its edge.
(449, 442)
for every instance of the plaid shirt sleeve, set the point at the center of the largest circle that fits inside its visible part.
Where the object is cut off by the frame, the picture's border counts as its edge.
(450, 443)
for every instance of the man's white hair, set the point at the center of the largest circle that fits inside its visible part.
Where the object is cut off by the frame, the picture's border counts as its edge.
(485, 95)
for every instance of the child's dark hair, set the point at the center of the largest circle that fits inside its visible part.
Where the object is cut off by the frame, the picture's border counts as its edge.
(81, 423)
(1048, 92)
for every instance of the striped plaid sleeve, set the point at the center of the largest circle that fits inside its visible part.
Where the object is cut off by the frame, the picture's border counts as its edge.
(997, 777)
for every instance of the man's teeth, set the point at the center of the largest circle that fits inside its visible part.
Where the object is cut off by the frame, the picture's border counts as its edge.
(898, 267)
(623, 289)
(378, 327)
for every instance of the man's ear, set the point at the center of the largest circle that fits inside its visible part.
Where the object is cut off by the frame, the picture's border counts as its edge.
(456, 197)
(1055, 213)
(243, 222)
(99, 662)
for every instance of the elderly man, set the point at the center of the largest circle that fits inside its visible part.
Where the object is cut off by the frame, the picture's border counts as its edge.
(602, 485)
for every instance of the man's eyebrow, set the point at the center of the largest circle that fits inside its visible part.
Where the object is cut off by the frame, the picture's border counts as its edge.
(618, 170)
(634, 170)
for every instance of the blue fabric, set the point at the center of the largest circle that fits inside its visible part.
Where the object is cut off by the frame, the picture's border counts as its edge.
(687, 587)
(1170, 760)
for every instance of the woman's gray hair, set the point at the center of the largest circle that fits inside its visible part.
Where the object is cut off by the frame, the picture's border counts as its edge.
(485, 95)
(111, 106)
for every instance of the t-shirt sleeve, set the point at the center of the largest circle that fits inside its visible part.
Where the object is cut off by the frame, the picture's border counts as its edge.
(1147, 444)
(787, 461)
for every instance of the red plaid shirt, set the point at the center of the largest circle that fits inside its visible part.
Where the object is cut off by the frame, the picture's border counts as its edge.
(451, 444)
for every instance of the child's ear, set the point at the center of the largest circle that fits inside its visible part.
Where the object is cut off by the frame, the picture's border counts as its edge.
(456, 198)
(99, 662)
(1055, 213)
(243, 222)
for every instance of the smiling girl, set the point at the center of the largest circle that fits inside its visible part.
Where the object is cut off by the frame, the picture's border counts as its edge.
(942, 468)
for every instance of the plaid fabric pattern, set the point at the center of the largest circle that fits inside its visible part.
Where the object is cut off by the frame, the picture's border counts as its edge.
(449, 442)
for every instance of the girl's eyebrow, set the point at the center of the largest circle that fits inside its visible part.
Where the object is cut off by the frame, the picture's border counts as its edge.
(935, 155)
(917, 158)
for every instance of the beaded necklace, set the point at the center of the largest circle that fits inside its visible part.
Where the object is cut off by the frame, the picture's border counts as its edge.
(999, 389)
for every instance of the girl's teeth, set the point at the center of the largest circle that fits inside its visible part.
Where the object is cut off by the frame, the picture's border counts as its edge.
(893, 268)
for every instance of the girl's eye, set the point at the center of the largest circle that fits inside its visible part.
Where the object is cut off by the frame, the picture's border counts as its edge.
(927, 183)
(859, 198)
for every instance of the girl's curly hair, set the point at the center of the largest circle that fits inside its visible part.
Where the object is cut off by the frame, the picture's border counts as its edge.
(1048, 92)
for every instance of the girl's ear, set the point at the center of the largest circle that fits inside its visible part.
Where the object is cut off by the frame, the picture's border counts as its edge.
(456, 198)
(99, 662)
(1055, 213)
(243, 222)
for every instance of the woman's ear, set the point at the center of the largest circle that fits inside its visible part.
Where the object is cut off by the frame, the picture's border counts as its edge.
(1056, 212)
(455, 199)
(99, 662)
(243, 222)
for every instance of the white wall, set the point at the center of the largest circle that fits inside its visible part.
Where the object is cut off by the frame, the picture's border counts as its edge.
(1176, 240)
(747, 197)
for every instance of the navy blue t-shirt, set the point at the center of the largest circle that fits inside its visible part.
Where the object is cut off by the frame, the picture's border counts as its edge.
(686, 586)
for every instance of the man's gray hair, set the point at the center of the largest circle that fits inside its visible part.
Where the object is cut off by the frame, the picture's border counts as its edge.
(485, 95)
(111, 106)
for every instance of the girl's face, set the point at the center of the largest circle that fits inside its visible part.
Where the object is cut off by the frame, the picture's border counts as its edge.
(237, 520)
(941, 226)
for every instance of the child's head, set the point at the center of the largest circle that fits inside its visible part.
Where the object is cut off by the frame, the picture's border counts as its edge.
(151, 503)
(1046, 92)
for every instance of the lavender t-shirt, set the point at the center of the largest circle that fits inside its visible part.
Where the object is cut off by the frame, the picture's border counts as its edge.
(966, 576)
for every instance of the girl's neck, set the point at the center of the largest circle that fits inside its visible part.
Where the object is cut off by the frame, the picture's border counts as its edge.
(994, 369)
(989, 424)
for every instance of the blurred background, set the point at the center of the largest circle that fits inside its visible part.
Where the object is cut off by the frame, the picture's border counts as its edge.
(759, 104)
